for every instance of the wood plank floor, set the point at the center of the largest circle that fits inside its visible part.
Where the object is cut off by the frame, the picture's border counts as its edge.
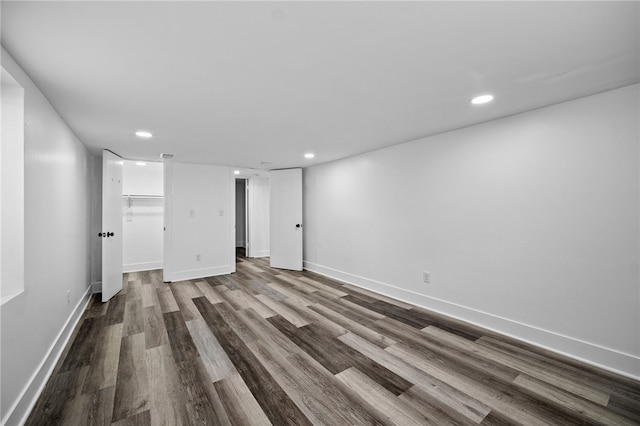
(265, 346)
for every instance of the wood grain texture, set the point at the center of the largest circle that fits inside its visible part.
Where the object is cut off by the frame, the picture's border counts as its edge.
(353, 326)
(591, 413)
(155, 332)
(385, 403)
(213, 356)
(166, 397)
(115, 309)
(133, 316)
(199, 393)
(104, 360)
(91, 409)
(265, 346)
(182, 345)
(132, 385)
(504, 398)
(149, 296)
(283, 310)
(80, 352)
(183, 292)
(53, 406)
(572, 385)
(274, 401)
(167, 300)
(239, 403)
(440, 391)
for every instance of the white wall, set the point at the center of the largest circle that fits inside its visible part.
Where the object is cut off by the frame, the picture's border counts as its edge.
(258, 217)
(199, 216)
(146, 179)
(35, 324)
(142, 218)
(529, 225)
(240, 212)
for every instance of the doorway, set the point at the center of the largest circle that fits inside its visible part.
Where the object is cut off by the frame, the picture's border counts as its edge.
(242, 222)
(142, 216)
(252, 236)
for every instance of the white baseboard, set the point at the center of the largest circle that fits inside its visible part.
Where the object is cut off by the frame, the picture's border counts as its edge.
(260, 253)
(96, 287)
(240, 244)
(193, 274)
(606, 358)
(142, 266)
(19, 412)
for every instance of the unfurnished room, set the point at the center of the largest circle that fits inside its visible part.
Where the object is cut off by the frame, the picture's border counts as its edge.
(320, 213)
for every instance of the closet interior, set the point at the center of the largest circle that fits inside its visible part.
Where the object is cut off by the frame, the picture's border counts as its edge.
(142, 216)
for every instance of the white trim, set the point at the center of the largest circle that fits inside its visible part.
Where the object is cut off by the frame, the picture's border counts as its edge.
(609, 359)
(260, 253)
(23, 405)
(192, 274)
(142, 266)
(97, 286)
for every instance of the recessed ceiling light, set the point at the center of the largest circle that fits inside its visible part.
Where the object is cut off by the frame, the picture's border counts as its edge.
(236, 172)
(143, 134)
(140, 163)
(482, 99)
(309, 155)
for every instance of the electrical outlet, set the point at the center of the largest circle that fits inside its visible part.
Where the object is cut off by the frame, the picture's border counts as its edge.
(197, 258)
(426, 277)
(68, 296)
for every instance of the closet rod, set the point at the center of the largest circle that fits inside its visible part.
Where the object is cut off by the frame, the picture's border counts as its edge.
(142, 196)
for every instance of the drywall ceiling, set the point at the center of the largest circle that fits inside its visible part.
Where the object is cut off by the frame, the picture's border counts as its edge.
(258, 84)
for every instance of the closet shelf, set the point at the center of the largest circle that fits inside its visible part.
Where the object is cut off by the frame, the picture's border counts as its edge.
(142, 196)
(130, 197)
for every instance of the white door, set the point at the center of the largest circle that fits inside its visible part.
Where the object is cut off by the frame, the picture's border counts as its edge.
(111, 224)
(286, 219)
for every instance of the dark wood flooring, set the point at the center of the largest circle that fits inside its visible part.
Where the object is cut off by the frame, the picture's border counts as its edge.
(265, 346)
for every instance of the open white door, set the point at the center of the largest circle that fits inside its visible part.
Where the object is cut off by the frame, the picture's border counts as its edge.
(111, 224)
(286, 219)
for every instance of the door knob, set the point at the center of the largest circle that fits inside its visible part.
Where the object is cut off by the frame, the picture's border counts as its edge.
(109, 234)
(100, 234)
(298, 225)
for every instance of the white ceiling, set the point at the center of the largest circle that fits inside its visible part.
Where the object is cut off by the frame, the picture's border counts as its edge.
(244, 83)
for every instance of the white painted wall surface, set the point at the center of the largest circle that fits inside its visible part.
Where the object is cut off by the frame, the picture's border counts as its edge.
(529, 225)
(258, 216)
(142, 179)
(12, 189)
(142, 218)
(35, 324)
(201, 221)
(240, 212)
